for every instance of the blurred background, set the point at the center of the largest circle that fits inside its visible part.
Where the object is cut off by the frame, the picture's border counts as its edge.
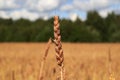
(90, 31)
(81, 20)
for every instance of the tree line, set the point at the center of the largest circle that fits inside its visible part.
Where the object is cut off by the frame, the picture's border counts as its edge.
(93, 29)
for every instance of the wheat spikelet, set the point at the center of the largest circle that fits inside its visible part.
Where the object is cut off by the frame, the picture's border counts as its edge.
(44, 58)
(58, 47)
(111, 73)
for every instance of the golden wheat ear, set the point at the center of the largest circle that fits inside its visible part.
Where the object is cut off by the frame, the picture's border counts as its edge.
(58, 47)
(111, 73)
(44, 58)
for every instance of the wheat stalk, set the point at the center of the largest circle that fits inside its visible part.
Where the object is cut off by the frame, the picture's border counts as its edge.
(13, 75)
(58, 47)
(44, 58)
(111, 74)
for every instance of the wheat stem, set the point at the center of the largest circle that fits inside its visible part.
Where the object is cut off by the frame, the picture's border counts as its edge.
(111, 74)
(44, 58)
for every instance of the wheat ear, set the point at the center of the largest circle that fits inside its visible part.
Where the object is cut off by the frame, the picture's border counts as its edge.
(44, 58)
(58, 46)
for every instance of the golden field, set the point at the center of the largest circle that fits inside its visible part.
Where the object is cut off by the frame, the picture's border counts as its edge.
(83, 61)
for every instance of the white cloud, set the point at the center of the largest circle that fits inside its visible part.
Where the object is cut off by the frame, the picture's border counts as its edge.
(45, 18)
(73, 16)
(90, 4)
(19, 14)
(42, 5)
(104, 13)
(67, 7)
(23, 14)
(29, 9)
(32, 16)
(4, 15)
(34, 9)
(36, 5)
(8, 4)
(48, 5)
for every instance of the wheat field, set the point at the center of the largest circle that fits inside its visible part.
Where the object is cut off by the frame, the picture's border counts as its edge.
(83, 61)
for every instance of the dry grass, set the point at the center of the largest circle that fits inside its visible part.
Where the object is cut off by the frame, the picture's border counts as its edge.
(111, 73)
(21, 61)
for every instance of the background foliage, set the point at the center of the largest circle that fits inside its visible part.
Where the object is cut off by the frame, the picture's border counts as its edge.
(94, 29)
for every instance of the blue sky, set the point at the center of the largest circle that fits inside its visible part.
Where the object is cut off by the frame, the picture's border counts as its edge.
(45, 9)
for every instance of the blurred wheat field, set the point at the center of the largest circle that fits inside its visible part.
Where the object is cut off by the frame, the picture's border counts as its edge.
(83, 61)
